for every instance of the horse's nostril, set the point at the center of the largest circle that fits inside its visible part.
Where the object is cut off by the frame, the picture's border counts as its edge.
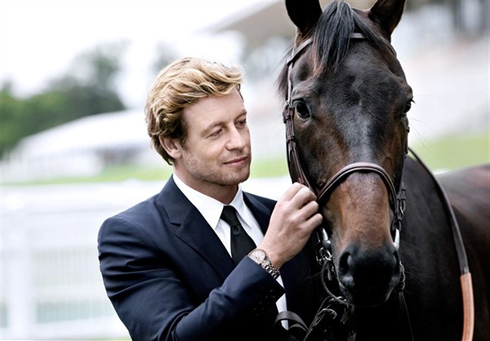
(346, 263)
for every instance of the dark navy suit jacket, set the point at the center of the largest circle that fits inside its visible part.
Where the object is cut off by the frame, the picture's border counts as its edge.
(169, 276)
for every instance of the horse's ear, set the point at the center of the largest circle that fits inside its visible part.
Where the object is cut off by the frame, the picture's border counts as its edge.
(387, 14)
(304, 13)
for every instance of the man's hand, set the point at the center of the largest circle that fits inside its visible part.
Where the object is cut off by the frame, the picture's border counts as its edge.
(293, 220)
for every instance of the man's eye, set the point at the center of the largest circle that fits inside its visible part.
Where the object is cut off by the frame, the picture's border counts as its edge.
(216, 133)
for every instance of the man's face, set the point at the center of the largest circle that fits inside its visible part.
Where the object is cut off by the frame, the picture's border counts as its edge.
(217, 150)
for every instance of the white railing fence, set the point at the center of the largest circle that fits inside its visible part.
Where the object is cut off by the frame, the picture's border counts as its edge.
(51, 287)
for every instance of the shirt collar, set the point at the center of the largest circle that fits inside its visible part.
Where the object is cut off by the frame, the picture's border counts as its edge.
(211, 208)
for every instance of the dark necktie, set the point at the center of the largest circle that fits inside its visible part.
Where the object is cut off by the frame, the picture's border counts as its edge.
(241, 243)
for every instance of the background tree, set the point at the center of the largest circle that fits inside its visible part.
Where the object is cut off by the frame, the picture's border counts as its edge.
(88, 88)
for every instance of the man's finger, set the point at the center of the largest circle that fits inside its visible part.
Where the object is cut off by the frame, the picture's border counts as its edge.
(303, 197)
(291, 192)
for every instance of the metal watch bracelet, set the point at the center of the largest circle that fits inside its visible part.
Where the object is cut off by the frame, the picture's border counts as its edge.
(270, 269)
(260, 257)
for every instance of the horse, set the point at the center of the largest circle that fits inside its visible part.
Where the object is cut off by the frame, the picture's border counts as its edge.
(391, 258)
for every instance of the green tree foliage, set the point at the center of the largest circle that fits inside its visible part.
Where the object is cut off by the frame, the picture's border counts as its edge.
(88, 89)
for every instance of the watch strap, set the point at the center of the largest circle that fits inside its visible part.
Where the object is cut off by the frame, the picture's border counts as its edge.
(266, 264)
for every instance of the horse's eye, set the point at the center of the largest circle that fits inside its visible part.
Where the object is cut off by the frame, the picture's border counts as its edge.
(302, 110)
(408, 106)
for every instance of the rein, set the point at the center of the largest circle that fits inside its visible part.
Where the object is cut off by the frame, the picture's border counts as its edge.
(336, 309)
(465, 274)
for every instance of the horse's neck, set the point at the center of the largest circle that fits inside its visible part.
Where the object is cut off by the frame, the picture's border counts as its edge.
(417, 180)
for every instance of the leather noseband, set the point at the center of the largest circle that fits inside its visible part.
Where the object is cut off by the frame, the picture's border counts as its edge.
(397, 199)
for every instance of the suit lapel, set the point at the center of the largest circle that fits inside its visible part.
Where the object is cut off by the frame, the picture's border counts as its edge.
(193, 229)
(197, 233)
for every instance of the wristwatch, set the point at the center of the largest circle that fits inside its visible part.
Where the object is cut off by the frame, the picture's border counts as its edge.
(260, 257)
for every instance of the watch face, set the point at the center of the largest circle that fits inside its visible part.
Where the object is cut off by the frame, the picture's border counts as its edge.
(258, 255)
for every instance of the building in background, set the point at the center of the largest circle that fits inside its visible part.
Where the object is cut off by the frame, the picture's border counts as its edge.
(83, 147)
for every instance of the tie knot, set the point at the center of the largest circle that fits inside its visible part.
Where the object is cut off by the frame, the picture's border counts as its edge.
(229, 215)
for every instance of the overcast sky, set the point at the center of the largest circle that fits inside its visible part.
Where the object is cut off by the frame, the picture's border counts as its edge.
(39, 38)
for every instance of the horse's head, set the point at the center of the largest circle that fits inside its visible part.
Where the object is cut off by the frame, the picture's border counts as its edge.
(347, 102)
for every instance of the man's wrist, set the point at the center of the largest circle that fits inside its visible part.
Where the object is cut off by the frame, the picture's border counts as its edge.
(260, 257)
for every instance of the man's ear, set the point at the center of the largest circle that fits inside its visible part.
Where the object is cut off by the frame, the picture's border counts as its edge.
(171, 146)
(387, 14)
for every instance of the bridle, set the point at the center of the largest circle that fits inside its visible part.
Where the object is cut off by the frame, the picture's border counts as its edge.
(336, 307)
(397, 197)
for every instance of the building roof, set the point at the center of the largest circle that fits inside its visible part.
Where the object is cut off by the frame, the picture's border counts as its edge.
(263, 20)
(115, 130)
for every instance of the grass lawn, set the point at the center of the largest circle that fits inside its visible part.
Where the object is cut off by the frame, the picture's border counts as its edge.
(454, 152)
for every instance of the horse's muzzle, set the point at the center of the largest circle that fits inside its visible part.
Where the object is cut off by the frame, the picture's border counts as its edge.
(367, 277)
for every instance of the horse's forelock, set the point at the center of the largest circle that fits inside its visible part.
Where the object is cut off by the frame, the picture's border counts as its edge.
(331, 39)
(331, 36)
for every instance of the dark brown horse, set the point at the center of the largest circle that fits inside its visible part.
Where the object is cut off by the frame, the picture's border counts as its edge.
(346, 114)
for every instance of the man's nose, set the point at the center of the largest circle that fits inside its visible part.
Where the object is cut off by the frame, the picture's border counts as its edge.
(237, 139)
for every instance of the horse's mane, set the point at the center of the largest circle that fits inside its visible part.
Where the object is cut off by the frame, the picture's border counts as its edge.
(331, 38)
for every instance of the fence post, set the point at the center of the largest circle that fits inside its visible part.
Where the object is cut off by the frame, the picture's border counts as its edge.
(19, 295)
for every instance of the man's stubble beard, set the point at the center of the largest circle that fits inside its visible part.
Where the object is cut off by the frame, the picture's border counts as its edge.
(203, 174)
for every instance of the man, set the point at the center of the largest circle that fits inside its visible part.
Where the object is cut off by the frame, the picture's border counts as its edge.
(172, 265)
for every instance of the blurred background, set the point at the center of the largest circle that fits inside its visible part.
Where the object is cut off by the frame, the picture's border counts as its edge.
(74, 149)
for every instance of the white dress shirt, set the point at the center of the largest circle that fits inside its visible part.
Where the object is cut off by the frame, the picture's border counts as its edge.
(211, 210)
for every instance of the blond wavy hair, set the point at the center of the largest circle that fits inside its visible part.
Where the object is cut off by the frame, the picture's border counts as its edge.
(177, 87)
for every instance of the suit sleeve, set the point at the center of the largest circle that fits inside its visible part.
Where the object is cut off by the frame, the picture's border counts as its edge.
(154, 303)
